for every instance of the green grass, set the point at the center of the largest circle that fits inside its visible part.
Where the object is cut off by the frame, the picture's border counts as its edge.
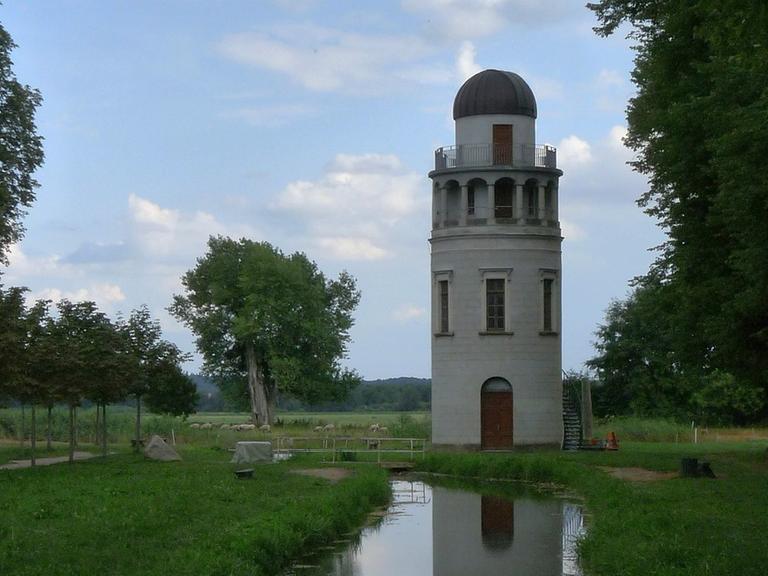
(128, 516)
(665, 528)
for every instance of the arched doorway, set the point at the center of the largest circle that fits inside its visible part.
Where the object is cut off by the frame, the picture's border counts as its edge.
(496, 415)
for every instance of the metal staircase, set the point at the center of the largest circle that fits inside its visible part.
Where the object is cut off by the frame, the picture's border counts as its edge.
(571, 417)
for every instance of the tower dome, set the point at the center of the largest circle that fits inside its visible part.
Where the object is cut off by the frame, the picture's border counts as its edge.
(494, 92)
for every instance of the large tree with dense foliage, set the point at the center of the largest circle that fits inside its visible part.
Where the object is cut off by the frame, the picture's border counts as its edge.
(270, 321)
(21, 149)
(698, 125)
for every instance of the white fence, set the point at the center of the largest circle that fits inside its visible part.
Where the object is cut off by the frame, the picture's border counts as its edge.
(338, 445)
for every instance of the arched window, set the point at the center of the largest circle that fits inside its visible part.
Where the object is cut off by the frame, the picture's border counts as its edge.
(531, 199)
(452, 203)
(505, 198)
(477, 200)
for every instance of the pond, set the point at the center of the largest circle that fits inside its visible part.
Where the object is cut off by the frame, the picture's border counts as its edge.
(440, 530)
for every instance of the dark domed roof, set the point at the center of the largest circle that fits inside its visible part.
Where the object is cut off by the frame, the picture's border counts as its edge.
(494, 92)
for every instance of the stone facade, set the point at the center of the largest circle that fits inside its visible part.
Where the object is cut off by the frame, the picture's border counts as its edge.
(482, 234)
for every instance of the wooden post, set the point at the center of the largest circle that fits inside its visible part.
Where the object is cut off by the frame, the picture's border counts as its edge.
(586, 408)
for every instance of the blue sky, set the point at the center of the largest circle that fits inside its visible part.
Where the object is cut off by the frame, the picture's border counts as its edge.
(310, 124)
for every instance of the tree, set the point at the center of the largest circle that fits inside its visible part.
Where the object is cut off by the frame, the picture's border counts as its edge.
(156, 362)
(698, 126)
(21, 149)
(12, 328)
(172, 391)
(636, 366)
(111, 367)
(270, 320)
(77, 331)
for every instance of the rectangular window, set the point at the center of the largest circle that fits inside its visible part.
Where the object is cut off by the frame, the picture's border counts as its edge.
(548, 304)
(444, 326)
(494, 299)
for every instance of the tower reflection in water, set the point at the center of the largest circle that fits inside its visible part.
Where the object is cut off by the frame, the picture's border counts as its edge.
(435, 531)
(480, 534)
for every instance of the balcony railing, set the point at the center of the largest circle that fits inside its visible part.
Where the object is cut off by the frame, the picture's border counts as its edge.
(506, 155)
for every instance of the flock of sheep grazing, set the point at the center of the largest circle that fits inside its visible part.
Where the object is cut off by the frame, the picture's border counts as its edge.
(328, 428)
(235, 427)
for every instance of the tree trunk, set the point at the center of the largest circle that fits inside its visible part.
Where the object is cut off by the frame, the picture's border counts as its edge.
(97, 429)
(71, 434)
(104, 430)
(262, 400)
(137, 440)
(76, 429)
(34, 435)
(22, 431)
(48, 430)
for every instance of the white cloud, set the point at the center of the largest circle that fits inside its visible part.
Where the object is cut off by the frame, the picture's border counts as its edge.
(330, 60)
(408, 312)
(353, 209)
(105, 295)
(465, 61)
(350, 248)
(22, 265)
(616, 140)
(170, 234)
(478, 18)
(573, 151)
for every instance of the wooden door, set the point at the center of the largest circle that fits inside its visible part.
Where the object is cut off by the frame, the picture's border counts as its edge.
(502, 144)
(496, 420)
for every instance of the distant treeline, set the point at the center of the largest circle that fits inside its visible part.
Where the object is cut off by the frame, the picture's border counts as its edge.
(391, 394)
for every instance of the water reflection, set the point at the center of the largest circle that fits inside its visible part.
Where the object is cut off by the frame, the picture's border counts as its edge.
(438, 531)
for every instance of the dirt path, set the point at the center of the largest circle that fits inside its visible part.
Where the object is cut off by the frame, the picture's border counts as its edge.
(19, 464)
(638, 474)
(331, 474)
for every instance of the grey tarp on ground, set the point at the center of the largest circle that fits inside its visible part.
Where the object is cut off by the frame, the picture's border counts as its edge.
(248, 452)
(158, 449)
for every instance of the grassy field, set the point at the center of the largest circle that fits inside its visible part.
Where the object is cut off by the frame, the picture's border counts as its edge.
(131, 509)
(121, 424)
(128, 516)
(637, 429)
(670, 527)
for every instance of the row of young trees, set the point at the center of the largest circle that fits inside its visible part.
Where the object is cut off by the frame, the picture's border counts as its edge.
(693, 336)
(72, 352)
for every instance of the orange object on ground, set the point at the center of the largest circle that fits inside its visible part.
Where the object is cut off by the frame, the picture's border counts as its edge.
(613, 443)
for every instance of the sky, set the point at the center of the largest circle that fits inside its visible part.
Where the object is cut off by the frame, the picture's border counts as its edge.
(312, 125)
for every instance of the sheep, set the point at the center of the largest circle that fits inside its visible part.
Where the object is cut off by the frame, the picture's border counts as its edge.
(329, 428)
(246, 427)
(195, 426)
(224, 427)
(206, 426)
(318, 428)
(374, 428)
(265, 428)
(383, 430)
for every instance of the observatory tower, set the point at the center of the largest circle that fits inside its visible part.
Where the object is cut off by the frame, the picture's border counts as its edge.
(496, 281)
